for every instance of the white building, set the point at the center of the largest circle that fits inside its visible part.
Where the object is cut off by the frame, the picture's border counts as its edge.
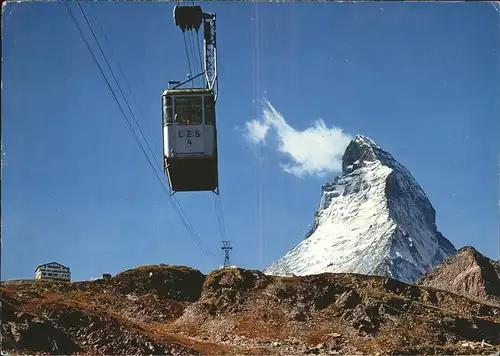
(53, 271)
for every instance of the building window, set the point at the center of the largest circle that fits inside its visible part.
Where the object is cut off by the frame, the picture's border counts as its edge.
(209, 110)
(167, 110)
(188, 110)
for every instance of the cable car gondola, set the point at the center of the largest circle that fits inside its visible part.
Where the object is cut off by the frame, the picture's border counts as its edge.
(190, 139)
(189, 125)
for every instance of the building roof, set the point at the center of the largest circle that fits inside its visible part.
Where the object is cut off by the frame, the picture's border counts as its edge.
(50, 263)
(188, 91)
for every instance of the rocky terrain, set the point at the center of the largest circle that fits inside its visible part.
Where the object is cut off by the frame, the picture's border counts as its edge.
(374, 219)
(164, 309)
(468, 273)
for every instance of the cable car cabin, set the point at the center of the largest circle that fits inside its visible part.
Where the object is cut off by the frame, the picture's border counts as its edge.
(190, 139)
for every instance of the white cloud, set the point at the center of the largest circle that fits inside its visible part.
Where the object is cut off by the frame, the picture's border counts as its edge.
(256, 131)
(316, 150)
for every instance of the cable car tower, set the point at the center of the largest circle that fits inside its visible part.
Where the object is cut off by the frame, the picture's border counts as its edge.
(189, 124)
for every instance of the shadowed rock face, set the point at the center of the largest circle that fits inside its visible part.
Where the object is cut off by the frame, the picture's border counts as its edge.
(374, 218)
(468, 273)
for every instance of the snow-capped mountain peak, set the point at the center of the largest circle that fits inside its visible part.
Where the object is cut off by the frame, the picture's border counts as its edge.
(360, 149)
(374, 218)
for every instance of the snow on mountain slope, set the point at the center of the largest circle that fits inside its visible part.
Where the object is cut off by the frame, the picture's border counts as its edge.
(372, 219)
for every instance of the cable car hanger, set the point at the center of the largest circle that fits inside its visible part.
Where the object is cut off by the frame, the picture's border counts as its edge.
(178, 83)
(190, 154)
(191, 18)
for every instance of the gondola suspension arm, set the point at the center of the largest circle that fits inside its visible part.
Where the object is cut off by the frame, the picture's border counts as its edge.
(192, 18)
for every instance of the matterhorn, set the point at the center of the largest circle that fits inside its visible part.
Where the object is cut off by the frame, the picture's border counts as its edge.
(372, 219)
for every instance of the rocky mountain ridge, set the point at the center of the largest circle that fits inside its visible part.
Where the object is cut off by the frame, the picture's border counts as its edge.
(174, 310)
(468, 273)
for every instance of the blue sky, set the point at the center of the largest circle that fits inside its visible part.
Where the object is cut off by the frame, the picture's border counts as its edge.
(422, 80)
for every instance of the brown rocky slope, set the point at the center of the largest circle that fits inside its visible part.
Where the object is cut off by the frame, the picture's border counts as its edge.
(467, 273)
(177, 310)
